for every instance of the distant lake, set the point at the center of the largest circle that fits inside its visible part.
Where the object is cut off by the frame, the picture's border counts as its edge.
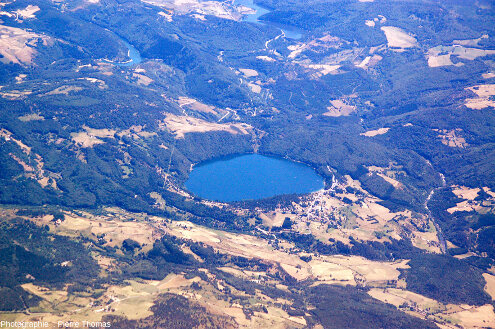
(290, 32)
(250, 177)
(132, 53)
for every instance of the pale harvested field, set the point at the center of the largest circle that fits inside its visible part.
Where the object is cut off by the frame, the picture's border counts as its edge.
(28, 12)
(276, 318)
(324, 69)
(373, 133)
(397, 297)
(102, 133)
(249, 73)
(463, 316)
(45, 293)
(234, 271)
(397, 38)
(483, 91)
(436, 56)
(136, 298)
(471, 42)
(181, 125)
(427, 241)
(451, 138)
(463, 256)
(24, 165)
(483, 100)
(83, 139)
(266, 58)
(212, 300)
(168, 17)
(369, 271)
(490, 284)
(339, 108)
(176, 281)
(195, 105)
(244, 274)
(142, 79)
(466, 193)
(133, 300)
(441, 55)
(275, 218)
(101, 84)
(31, 117)
(471, 53)
(298, 272)
(20, 78)
(63, 90)
(488, 191)
(469, 195)
(369, 208)
(15, 94)
(370, 23)
(35, 169)
(440, 60)
(135, 132)
(296, 50)
(332, 273)
(331, 269)
(91, 137)
(479, 103)
(241, 245)
(115, 231)
(470, 316)
(383, 223)
(325, 42)
(254, 88)
(395, 183)
(369, 61)
(465, 206)
(193, 232)
(17, 45)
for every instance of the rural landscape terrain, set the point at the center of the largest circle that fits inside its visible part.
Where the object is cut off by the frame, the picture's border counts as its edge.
(107, 105)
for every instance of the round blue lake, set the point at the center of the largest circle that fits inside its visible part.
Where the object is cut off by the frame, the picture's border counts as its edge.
(250, 177)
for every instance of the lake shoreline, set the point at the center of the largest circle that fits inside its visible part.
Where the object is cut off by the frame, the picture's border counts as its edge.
(252, 176)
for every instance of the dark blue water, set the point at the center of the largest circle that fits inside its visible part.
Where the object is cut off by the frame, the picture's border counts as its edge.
(289, 31)
(250, 177)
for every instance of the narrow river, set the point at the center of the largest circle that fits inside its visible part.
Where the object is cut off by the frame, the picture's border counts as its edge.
(290, 32)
